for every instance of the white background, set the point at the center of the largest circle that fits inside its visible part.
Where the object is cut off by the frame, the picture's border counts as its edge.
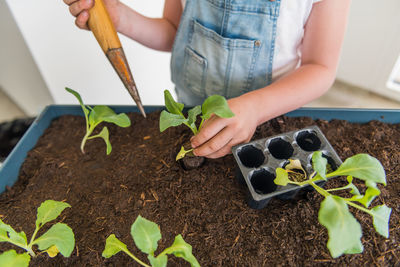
(67, 56)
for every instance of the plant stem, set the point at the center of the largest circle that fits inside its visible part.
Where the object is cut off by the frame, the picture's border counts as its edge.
(338, 189)
(85, 138)
(358, 207)
(136, 259)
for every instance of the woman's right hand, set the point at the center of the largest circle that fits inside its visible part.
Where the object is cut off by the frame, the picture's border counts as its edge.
(80, 10)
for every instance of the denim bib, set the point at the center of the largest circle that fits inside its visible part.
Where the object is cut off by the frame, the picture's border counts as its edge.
(223, 47)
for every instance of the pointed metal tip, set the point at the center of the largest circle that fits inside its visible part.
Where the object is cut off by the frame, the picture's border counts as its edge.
(142, 109)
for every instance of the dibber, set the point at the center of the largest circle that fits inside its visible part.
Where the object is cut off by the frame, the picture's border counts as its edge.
(106, 35)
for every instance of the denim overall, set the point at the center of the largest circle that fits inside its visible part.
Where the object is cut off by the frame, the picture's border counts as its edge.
(223, 47)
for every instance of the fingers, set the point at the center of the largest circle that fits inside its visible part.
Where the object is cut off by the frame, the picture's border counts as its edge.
(214, 144)
(222, 152)
(81, 20)
(76, 7)
(210, 128)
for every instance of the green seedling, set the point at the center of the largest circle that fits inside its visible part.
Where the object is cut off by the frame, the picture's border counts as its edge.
(214, 104)
(343, 229)
(96, 115)
(146, 235)
(58, 239)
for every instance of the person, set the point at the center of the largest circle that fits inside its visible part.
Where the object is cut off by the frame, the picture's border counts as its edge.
(267, 57)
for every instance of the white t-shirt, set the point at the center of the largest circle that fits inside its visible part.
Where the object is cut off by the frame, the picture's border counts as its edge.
(292, 18)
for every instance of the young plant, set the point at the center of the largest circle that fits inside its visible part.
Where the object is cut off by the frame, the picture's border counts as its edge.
(146, 235)
(214, 104)
(343, 229)
(96, 115)
(58, 239)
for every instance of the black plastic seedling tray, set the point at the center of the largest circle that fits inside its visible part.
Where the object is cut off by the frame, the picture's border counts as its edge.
(257, 161)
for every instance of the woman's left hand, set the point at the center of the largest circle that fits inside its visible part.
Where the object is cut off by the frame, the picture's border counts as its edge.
(218, 135)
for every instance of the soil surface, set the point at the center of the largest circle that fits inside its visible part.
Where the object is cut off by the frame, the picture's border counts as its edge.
(206, 205)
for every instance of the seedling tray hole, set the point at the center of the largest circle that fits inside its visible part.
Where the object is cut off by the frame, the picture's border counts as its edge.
(251, 156)
(263, 181)
(280, 148)
(308, 141)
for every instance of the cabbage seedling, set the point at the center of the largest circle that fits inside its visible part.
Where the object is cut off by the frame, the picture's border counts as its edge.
(58, 239)
(94, 116)
(343, 229)
(146, 235)
(214, 104)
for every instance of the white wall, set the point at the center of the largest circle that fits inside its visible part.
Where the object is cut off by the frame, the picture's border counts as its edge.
(372, 45)
(19, 76)
(67, 56)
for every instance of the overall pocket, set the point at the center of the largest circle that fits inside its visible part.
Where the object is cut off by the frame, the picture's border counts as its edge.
(218, 65)
(194, 75)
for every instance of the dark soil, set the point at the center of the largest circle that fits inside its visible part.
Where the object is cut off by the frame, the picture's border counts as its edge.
(206, 205)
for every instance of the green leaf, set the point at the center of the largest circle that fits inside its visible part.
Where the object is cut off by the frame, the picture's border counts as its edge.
(105, 135)
(370, 194)
(362, 166)
(319, 164)
(59, 235)
(168, 120)
(282, 177)
(113, 246)
(8, 234)
(353, 188)
(104, 113)
(78, 96)
(381, 215)
(218, 105)
(182, 153)
(343, 229)
(181, 249)
(160, 261)
(49, 210)
(12, 259)
(146, 235)
(192, 116)
(171, 105)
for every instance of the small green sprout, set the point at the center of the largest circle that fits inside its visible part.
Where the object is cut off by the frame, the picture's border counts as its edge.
(58, 239)
(146, 235)
(214, 104)
(94, 116)
(343, 229)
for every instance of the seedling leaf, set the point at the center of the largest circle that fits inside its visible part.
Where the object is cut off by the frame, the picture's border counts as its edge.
(8, 234)
(353, 188)
(159, 261)
(218, 105)
(78, 96)
(52, 251)
(106, 137)
(113, 246)
(49, 210)
(171, 105)
(168, 120)
(181, 249)
(381, 215)
(370, 194)
(182, 153)
(59, 235)
(362, 166)
(192, 116)
(343, 229)
(11, 258)
(104, 113)
(146, 235)
(282, 177)
(319, 164)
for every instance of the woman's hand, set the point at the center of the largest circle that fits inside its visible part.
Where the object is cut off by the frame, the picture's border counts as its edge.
(80, 10)
(218, 135)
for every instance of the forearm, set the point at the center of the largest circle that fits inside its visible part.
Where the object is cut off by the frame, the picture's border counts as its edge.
(155, 33)
(298, 88)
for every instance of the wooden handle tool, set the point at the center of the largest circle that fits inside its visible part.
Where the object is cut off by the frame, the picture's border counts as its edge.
(106, 35)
